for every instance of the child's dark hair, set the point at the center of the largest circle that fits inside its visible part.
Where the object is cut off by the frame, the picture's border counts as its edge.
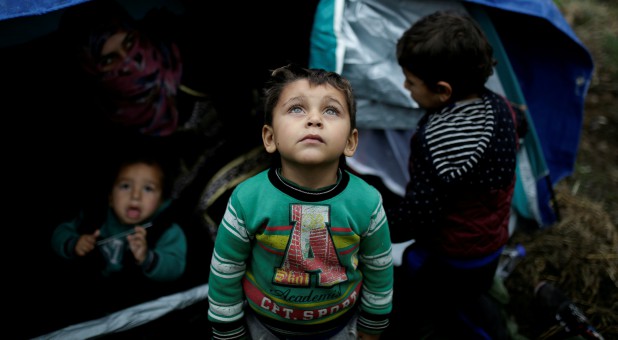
(284, 75)
(447, 46)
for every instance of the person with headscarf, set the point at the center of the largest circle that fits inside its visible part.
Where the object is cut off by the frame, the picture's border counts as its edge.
(147, 79)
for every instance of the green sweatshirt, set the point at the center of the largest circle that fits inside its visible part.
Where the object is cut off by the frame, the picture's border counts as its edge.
(303, 260)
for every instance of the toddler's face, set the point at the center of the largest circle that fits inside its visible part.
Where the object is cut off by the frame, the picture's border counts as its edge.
(137, 192)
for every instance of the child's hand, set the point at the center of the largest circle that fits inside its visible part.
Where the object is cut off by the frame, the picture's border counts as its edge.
(138, 245)
(86, 243)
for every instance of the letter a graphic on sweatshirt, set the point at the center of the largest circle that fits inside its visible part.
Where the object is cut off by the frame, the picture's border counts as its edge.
(310, 250)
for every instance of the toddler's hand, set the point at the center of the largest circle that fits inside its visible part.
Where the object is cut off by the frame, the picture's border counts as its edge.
(138, 245)
(86, 243)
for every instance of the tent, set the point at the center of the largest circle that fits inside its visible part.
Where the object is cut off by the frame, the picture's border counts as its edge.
(543, 67)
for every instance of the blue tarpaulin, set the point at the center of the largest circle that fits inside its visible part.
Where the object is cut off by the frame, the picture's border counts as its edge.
(19, 8)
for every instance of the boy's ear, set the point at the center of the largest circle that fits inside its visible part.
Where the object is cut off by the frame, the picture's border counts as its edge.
(352, 144)
(268, 138)
(445, 91)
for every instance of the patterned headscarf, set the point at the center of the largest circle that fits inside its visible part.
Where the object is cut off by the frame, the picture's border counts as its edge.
(140, 91)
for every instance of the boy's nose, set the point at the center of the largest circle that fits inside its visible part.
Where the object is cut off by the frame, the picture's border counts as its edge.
(314, 119)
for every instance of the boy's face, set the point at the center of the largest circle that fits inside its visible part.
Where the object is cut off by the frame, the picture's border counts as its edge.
(422, 95)
(311, 126)
(137, 192)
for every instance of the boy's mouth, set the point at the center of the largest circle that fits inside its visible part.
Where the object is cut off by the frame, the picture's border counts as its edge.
(312, 138)
(133, 213)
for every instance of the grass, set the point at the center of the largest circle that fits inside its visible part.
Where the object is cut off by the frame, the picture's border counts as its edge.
(579, 254)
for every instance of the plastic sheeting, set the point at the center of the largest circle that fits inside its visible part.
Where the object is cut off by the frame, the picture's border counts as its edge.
(131, 317)
(552, 68)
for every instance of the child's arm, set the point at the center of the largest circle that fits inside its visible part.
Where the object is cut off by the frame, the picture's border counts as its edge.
(376, 264)
(228, 265)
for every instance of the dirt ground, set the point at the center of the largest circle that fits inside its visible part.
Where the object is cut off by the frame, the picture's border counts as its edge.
(579, 254)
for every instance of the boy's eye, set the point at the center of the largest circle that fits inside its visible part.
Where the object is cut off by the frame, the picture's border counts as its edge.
(124, 186)
(149, 188)
(296, 109)
(331, 111)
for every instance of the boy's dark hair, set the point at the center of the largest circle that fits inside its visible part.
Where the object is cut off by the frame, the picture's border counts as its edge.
(447, 46)
(284, 75)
